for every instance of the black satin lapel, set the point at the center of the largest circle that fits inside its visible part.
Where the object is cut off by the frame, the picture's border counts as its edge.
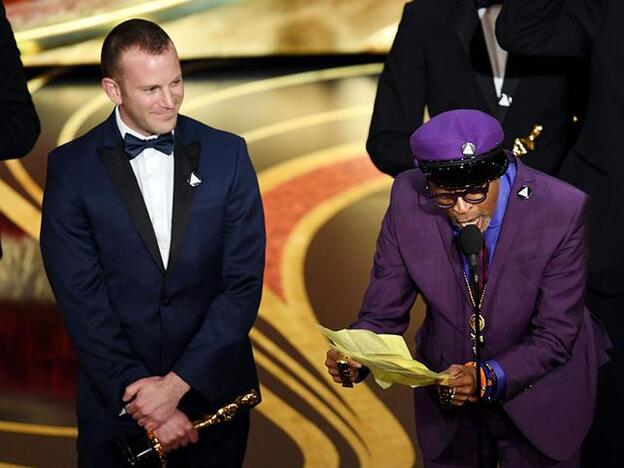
(186, 161)
(125, 183)
(470, 33)
(447, 238)
(466, 22)
(509, 86)
(518, 209)
(483, 71)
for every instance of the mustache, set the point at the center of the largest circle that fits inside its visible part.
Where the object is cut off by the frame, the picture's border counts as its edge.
(485, 221)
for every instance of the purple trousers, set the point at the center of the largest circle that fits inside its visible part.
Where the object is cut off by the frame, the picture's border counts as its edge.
(502, 443)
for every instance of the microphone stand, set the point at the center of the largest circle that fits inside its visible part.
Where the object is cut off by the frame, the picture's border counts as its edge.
(473, 269)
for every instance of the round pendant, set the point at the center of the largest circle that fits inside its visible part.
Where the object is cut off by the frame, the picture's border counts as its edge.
(473, 320)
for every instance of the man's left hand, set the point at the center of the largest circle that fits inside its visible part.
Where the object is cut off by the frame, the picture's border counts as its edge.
(154, 399)
(464, 382)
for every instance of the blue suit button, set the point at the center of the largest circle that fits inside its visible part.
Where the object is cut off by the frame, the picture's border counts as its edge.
(165, 301)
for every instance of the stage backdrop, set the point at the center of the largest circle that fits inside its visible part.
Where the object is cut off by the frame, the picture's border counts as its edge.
(55, 32)
(305, 121)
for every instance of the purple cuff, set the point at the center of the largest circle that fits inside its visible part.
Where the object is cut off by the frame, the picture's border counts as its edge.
(501, 381)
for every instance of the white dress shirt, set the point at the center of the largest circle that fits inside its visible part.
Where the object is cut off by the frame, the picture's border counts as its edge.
(498, 56)
(154, 173)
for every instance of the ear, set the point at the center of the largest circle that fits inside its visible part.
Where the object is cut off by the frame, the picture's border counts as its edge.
(112, 90)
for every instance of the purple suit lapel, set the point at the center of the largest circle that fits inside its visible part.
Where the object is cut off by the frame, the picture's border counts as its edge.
(452, 254)
(446, 238)
(518, 216)
(518, 209)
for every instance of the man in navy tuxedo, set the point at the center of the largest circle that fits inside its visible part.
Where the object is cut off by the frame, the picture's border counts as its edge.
(153, 241)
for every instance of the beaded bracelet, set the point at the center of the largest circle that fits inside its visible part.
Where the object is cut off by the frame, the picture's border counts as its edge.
(488, 380)
(493, 386)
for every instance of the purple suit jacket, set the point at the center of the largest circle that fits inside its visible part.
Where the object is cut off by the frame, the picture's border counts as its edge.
(536, 324)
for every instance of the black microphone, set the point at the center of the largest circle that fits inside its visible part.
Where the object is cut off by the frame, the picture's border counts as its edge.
(470, 240)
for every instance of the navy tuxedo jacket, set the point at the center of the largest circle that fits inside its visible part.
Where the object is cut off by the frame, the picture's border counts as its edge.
(129, 317)
(19, 124)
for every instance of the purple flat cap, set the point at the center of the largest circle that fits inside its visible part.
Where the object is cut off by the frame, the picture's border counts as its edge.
(460, 148)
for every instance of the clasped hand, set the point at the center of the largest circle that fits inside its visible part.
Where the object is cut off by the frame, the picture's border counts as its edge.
(176, 432)
(153, 403)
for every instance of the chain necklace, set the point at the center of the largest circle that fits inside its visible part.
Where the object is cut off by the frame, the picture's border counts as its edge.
(471, 295)
(472, 322)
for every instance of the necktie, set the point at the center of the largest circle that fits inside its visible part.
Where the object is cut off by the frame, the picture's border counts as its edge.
(487, 3)
(135, 146)
(484, 264)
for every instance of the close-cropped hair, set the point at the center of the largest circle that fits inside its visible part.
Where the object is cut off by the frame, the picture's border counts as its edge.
(134, 33)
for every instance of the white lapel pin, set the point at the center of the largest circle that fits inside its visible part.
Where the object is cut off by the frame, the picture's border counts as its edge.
(525, 192)
(505, 100)
(193, 180)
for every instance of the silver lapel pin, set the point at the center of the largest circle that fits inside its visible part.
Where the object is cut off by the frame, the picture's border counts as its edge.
(468, 149)
(525, 192)
(505, 100)
(193, 180)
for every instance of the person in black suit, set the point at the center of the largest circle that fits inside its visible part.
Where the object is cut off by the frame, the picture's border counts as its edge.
(590, 28)
(445, 57)
(19, 124)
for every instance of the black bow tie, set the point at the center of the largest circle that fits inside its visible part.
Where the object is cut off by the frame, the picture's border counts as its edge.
(135, 146)
(487, 3)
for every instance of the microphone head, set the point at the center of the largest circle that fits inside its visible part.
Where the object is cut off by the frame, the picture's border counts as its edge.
(470, 240)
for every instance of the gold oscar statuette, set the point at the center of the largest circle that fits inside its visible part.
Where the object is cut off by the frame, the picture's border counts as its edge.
(523, 145)
(148, 451)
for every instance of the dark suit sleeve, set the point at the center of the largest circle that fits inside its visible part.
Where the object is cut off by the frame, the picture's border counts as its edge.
(391, 291)
(19, 124)
(548, 27)
(558, 313)
(400, 101)
(212, 353)
(70, 256)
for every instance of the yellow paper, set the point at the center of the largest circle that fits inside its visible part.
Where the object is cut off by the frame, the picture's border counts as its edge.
(387, 357)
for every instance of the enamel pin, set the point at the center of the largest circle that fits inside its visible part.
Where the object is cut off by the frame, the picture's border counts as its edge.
(505, 100)
(193, 180)
(468, 149)
(525, 192)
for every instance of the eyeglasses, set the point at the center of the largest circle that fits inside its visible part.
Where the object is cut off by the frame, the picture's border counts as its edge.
(473, 195)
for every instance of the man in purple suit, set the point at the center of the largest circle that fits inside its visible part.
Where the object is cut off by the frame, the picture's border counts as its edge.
(539, 346)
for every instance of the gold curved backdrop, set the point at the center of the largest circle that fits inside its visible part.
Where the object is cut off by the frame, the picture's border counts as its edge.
(54, 32)
(306, 128)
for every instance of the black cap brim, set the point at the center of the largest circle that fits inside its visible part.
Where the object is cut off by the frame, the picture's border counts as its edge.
(467, 172)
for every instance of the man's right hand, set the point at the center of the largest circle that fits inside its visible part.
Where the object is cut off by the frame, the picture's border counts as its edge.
(176, 432)
(152, 400)
(332, 366)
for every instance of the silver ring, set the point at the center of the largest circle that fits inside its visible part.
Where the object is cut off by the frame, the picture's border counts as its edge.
(447, 396)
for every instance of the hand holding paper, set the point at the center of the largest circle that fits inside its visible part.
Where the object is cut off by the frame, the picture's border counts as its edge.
(387, 357)
(342, 369)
